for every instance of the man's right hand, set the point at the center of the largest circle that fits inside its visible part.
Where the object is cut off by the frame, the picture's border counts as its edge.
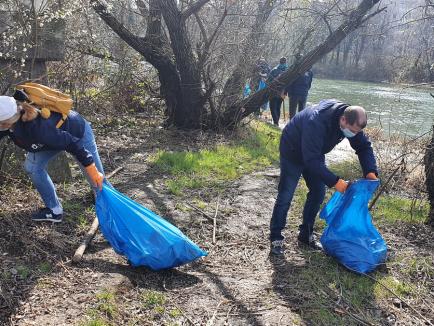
(341, 185)
(96, 176)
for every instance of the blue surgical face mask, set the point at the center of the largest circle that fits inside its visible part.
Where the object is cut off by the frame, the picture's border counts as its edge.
(347, 132)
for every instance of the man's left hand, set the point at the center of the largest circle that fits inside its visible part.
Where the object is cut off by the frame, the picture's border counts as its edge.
(371, 176)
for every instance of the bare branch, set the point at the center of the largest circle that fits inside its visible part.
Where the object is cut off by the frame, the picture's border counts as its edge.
(373, 14)
(137, 43)
(142, 8)
(201, 27)
(214, 34)
(194, 8)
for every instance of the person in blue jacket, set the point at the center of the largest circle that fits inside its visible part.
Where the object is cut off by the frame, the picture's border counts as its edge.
(312, 133)
(276, 101)
(43, 141)
(298, 91)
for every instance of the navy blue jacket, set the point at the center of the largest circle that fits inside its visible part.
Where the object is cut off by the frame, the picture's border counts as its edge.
(277, 71)
(42, 135)
(314, 132)
(300, 86)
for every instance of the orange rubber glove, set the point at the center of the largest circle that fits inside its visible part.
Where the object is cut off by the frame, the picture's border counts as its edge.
(96, 176)
(371, 176)
(341, 185)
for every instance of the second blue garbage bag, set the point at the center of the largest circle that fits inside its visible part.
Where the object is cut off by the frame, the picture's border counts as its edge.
(350, 235)
(142, 236)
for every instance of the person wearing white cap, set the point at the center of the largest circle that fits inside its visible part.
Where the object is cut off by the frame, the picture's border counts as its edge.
(43, 141)
(9, 113)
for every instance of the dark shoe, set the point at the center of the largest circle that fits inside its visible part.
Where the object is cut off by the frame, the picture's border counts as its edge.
(46, 214)
(311, 242)
(277, 248)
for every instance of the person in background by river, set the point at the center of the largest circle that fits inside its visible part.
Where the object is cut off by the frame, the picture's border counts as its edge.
(298, 90)
(276, 101)
(305, 140)
(259, 79)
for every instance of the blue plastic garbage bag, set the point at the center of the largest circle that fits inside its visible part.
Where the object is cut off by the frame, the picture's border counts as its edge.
(140, 234)
(350, 235)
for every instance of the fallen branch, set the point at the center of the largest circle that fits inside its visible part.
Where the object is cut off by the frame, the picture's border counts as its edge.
(78, 255)
(200, 211)
(383, 187)
(215, 220)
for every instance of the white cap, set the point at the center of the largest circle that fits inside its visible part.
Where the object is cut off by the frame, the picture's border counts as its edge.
(8, 107)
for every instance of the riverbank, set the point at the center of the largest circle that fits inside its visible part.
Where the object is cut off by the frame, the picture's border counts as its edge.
(237, 283)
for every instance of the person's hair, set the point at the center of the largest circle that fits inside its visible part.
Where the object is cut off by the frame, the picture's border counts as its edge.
(30, 112)
(282, 60)
(356, 115)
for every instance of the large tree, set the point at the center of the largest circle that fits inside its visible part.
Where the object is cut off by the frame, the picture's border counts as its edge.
(190, 76)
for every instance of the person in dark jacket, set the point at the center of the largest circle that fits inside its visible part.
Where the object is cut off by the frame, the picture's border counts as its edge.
(276, 101)
(298, 91)
(43, 141)
(305, 140)
(260, 72)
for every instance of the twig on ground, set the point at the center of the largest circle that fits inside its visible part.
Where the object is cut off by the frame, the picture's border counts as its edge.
(200, 211)
(78, 255)
(215, 220)
(210, 322)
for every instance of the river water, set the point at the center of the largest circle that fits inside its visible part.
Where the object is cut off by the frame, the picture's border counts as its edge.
(397, 109)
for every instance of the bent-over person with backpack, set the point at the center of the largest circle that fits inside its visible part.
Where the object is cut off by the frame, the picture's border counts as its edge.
(44, 137)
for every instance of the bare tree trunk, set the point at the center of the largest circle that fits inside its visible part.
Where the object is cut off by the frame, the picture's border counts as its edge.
(176, 78)
(235, 113)
(347, 48)
(338, 52)
(191, 84)
(429, 172)
(360, 49)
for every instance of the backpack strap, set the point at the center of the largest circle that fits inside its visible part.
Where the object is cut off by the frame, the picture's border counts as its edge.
(61, 121)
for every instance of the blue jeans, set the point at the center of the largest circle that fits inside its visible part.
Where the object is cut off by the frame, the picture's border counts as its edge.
(295, 100)
(36, 166)
(290, 173)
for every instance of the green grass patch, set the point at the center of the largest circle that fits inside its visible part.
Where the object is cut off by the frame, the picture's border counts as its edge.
(175, 313)
(420, 267)
(96, 322)
(44, 267)
(23, 271)
(400, 288)
(212, 167)
(348, 170)
(106, 304)
(152, 299)
(393, 208)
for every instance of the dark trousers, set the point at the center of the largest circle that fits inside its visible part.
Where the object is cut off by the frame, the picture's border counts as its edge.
(290, 173)
(294, 101)
(275, 104)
